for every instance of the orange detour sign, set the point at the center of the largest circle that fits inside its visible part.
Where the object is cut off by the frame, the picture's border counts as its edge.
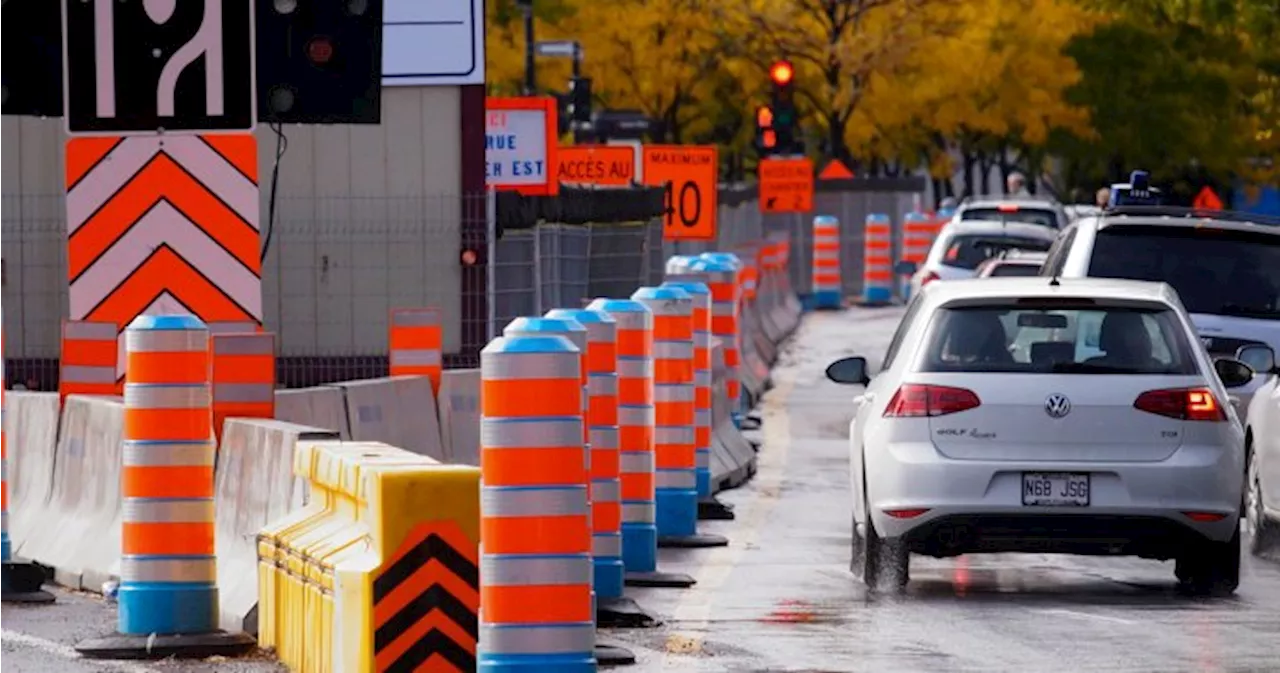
(786, 185)
(690, 175)
(1207, 199)
(836, 171)
(601, 165)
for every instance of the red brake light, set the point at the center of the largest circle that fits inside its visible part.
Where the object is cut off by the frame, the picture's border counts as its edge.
(929, 278)
(1205, 517)
(914, 400)
(1187, 404)
(906, 513)
(1007, 208)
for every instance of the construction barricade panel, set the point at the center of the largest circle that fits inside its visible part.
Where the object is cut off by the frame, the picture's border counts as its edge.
(399, 410)
(460, 416)
(31, 425)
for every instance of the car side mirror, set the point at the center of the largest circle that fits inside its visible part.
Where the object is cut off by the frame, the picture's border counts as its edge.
(1259, 357)
(905, 267)
(849, 371)
(1233, 373)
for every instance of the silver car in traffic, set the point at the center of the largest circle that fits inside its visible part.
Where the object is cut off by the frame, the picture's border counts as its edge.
(1056, 416)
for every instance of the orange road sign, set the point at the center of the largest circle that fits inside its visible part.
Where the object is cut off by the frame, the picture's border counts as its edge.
(691, 176)
(786, 185)
(835, 170)
(163, 226)
(603, 165)
(1208, 200)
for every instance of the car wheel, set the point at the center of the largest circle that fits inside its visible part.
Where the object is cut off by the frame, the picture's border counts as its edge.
(880, 564)
(1264, 534)
(1211, 568)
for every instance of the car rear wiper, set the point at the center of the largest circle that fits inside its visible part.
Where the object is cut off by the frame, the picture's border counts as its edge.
(1085, 368)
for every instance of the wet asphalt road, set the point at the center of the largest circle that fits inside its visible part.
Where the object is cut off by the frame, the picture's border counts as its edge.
(780, 597)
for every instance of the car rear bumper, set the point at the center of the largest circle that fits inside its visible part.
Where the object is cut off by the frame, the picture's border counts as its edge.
(1196, 479)
(1156, 537)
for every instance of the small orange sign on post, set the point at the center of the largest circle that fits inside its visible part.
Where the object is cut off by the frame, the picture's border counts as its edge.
(690, 174)
(786, 185)
(1207, 199)
(602, 165)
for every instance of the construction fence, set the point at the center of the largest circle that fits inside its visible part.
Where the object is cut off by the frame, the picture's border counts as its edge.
(333, 269)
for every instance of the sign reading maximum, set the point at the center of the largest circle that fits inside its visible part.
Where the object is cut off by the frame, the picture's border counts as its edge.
(690, 176)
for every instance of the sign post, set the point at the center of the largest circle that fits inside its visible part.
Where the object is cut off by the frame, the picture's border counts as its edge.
(162, 219)
(520, 145)
(690, 176)
(786, 185)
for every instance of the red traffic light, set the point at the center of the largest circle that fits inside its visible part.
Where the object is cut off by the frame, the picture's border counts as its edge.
(320, 50)
(769, 139)
(781, 73)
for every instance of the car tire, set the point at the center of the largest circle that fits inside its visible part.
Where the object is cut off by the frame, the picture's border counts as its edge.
(880, 564)
(1211, 568)
(1264, 534)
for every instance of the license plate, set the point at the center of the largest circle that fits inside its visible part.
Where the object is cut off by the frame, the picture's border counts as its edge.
(1055, 489)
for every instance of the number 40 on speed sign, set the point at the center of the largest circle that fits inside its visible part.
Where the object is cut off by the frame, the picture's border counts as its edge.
(689, 175)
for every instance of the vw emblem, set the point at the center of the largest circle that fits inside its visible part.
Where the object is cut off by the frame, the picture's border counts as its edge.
(1057, 405)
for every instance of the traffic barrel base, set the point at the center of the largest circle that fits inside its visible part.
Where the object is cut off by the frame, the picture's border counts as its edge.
(183, 646)
(21, 583)
(660, 580)
(623, 613)
(711, 509)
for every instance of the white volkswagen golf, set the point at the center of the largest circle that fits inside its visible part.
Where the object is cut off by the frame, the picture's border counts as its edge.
(1043, 415)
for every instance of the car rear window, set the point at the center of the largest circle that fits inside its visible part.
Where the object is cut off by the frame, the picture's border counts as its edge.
(1011, 269)
(1215, 271)
(968, 251)
(1044, 218)
(1030, 338)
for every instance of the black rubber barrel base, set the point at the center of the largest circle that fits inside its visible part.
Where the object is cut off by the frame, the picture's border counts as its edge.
(612, 655)
(714, 510)
(21, 583)
(623, 613)
(660, 580)
(187, 646)
(695, 541)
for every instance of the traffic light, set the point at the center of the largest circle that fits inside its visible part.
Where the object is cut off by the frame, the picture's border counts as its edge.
(580, 100)
(766, 134)
(319, 62)
(783, 108)
(33, 69)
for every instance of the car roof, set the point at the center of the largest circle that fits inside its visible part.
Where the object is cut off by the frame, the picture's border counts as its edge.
(1008, 287)
(995, 201)
(1020, 229)
(1107, 220)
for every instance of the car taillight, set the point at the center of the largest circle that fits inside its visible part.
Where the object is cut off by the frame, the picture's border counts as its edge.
(928, 278)
(915, 400)
(1186, 404)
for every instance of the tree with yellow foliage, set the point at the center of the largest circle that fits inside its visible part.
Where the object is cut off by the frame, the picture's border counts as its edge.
(989, 93)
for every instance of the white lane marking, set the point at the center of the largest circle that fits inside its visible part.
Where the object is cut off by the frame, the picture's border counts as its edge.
(1084, 615)
(693, 613)
(64, 652)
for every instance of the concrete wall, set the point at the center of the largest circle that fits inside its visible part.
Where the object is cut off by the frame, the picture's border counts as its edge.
(367, 217)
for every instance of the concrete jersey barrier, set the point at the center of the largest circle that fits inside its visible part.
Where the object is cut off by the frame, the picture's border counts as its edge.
(398, 410)
(78, 533)
(460, 416)
(254, 485)
(31, 433)
(320, 407)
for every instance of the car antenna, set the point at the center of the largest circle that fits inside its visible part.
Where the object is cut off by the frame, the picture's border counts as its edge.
(1053, 282)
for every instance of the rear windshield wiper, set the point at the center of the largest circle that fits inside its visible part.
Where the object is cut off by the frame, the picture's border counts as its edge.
(1085, 368)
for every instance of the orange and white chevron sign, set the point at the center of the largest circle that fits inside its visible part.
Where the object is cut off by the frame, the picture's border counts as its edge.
(164, 225)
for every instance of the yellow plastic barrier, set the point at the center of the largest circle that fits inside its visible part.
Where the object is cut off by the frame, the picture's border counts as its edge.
(380, 570)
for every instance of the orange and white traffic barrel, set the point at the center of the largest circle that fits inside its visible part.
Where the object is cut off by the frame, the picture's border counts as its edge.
(243, 372)
(722, 274)
(918, 231)
(877, 260)
(827, 289)
(701, 316)
(416, 341)
(535, 555)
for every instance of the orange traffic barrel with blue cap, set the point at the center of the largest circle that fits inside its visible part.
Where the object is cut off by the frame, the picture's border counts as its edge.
(535, 551)
(636, 435)
(701, 296)
(722, 270)
(676, 368)
(877, 262)
(826, 288)
(168, 597)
